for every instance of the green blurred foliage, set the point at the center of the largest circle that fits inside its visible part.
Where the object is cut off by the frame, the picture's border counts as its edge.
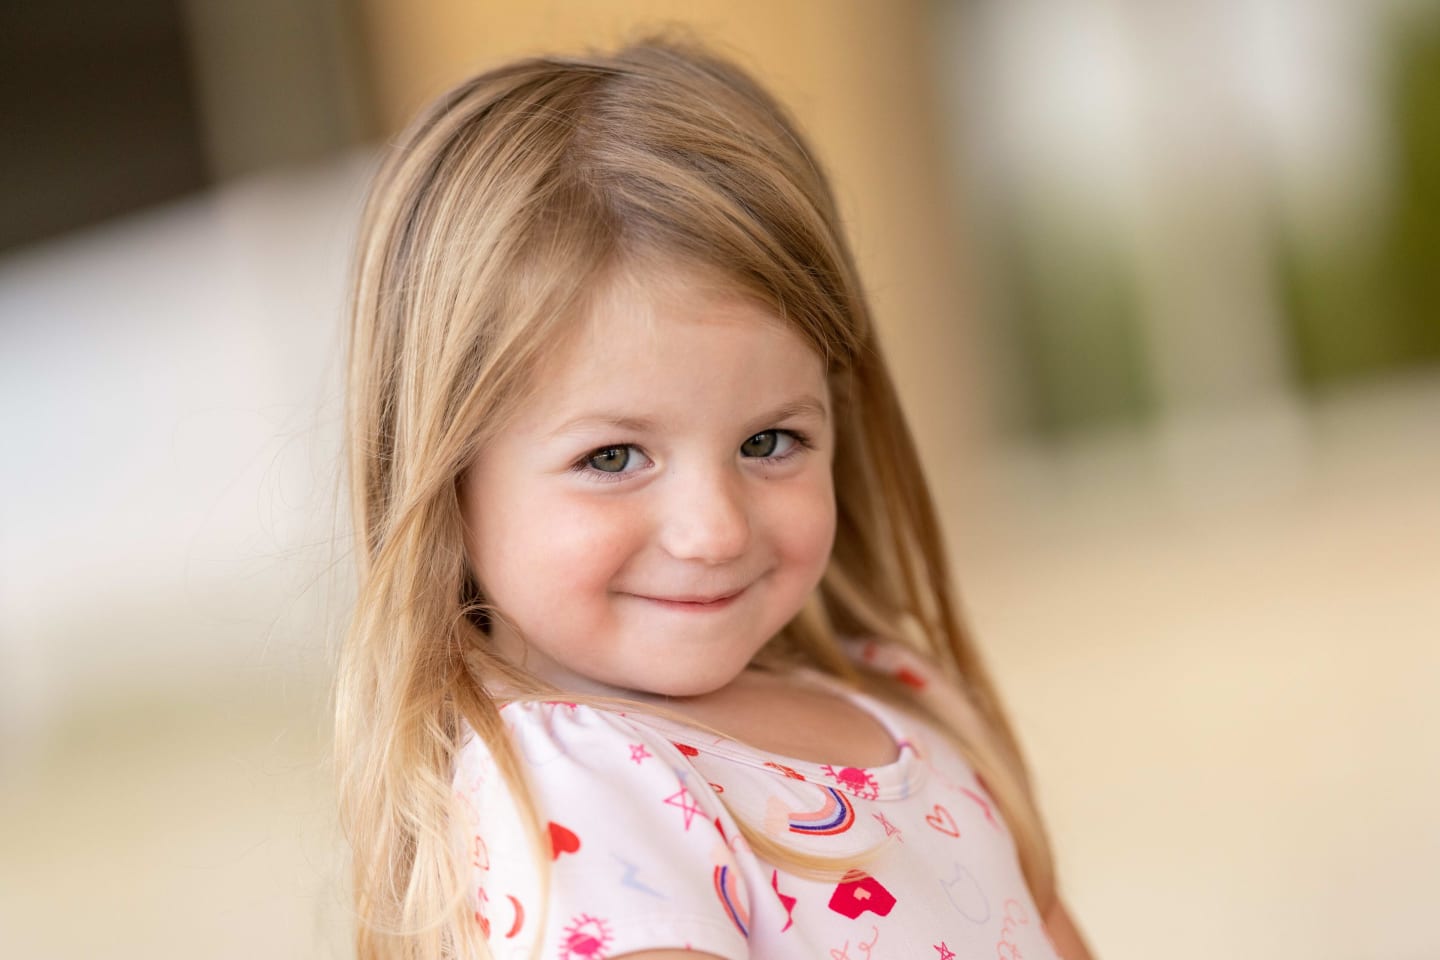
(1074, 315)
(1368, 303)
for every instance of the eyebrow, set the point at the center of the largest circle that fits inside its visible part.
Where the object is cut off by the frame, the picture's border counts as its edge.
(799, 407)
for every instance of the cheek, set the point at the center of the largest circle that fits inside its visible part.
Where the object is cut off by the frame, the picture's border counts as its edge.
(589, 540)
(548, 540)
(803, 521)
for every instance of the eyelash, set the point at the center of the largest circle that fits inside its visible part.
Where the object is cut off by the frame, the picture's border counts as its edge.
(582, 466)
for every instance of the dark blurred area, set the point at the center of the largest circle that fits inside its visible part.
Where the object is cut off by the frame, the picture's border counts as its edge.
(110, 108)
(99, 111)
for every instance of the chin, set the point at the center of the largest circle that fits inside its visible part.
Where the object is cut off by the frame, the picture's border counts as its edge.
(692, 684)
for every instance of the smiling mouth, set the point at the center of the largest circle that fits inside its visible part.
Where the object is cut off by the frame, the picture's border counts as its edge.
(693, 604)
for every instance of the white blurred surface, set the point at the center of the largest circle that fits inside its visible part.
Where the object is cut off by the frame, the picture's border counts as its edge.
(169, 562)
(170, 392)
(1221, 642)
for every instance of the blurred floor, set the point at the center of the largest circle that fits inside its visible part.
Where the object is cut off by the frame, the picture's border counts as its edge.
(1223, 653)
(181, 830)
(1220, 646)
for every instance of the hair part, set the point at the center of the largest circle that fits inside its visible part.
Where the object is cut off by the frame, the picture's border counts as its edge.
(494, 222)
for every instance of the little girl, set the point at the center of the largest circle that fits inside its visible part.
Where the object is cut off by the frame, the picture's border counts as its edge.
(655, 652)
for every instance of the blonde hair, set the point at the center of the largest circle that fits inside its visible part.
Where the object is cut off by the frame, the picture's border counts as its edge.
(491, 224)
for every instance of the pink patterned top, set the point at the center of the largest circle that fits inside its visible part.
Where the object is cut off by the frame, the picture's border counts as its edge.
(642, 816)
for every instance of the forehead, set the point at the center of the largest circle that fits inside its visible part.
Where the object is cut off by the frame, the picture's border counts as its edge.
(653, 337)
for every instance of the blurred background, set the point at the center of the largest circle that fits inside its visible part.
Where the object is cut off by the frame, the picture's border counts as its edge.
(1161, 284)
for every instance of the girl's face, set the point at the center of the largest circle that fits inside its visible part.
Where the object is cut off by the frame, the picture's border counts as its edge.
(662, 505)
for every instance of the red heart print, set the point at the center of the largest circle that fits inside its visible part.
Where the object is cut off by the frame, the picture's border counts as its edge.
(942, 821)
(562, 841)
(859, 893)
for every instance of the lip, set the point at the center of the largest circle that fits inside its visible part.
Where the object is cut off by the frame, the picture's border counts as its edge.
(693, 603)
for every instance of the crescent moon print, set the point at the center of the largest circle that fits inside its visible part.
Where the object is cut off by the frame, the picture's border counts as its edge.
(519, 917)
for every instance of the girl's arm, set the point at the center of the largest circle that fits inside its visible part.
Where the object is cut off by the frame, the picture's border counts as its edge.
(1064, 934)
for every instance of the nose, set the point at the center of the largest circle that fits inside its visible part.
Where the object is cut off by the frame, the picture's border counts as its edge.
(706, 518)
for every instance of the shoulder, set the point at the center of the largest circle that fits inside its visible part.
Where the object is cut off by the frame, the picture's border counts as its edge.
(625, 822)
(586, 773)
(903, 664)
(562, 746)
(568, 727)
(914, 678)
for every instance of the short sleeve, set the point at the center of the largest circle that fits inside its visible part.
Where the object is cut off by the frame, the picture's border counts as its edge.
(639, 856)
(928, 682)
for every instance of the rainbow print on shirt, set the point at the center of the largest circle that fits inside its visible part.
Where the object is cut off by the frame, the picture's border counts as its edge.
(836, 815)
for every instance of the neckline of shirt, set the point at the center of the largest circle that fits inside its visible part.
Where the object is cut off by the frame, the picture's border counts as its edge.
(893, 780)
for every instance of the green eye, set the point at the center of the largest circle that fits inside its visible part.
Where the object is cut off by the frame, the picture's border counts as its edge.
(610, 459)
(761, 445)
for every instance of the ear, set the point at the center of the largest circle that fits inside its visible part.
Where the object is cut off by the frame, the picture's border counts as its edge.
(472, 594)
(472, 601)
(460, 489)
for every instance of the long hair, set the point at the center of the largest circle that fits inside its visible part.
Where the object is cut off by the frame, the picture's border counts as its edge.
(492, 223)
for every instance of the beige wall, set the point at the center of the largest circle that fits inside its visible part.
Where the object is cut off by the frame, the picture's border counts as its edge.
(856, 74)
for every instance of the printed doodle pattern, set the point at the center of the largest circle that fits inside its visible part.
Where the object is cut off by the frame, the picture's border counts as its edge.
(644, 855)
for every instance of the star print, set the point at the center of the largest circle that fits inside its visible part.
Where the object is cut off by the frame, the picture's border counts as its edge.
(638, 753)
(945, 952)
(786, 901)
(681, 798)
(890, 829)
